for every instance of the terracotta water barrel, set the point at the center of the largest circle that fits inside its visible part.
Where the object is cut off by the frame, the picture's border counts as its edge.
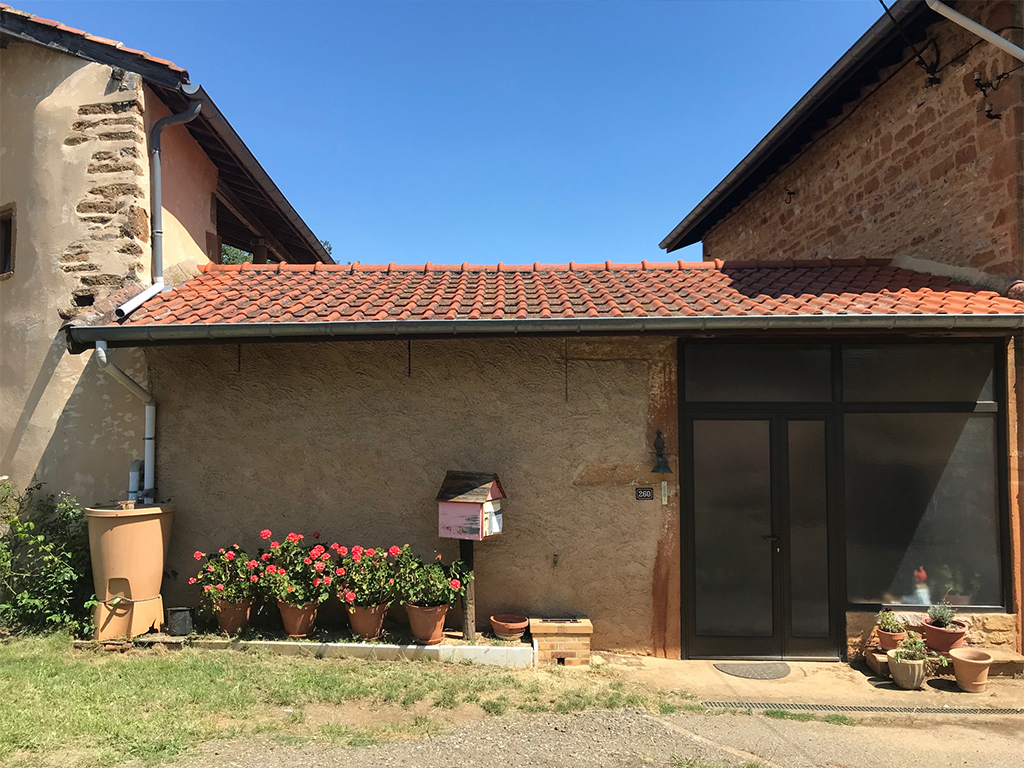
(128, 547)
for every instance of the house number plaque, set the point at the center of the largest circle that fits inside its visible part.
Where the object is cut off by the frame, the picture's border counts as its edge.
(644, 494)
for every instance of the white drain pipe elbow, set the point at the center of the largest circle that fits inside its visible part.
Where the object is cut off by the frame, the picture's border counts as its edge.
(984, 33)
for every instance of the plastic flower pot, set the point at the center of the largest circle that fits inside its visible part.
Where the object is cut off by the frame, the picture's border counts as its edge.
(297, 619)
(908, 675)
(944, 639)
(232, 618)
(427, 622)
(367, 621)
(970, 665)
(509, 626)
(127, 547)
(888, 641)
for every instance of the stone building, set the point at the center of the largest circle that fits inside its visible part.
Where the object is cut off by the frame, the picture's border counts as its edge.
(836, 384)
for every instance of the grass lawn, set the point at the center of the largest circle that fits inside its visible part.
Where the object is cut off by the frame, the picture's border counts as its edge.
(66, 707)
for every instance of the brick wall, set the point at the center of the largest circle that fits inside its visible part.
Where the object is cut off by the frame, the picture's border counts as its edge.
(906, 170)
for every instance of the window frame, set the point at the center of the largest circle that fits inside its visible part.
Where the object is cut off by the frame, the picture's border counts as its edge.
(837, 408)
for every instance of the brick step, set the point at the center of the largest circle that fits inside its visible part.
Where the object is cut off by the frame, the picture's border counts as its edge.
(1005, 662)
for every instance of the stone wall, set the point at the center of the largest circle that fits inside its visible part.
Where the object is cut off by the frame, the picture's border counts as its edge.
(907, 170)
(341, 438)
(991, 630)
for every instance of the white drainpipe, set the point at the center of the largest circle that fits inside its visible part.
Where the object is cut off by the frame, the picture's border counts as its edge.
(149, 462)
(972, 26)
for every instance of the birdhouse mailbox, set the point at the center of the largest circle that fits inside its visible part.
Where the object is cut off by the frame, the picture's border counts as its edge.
(469, 506)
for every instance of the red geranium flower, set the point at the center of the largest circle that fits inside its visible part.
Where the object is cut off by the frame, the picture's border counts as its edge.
(192, 580)
(357, 550)
(207, 588)
(209, 568)
(350, 597)
(339, 572)
(371, 552)
(229, 555)
(265, 533)
(275, 545)
(292, 537)
(265, 556)
(355, 558)
(342, 551)
(306, 560)
(271, 569)
(394, 551)
(316, 582)
(335, 545)
(220, 587)
(197, 555)
(318, 566)
(454, 583)
(327, 580)
(438, 556)
(251, 564)
(316, 534)
(325, 556)
(291, 588)
(254, 578)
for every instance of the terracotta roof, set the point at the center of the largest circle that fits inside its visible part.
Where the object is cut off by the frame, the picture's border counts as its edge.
(317, 293)
(114, 44)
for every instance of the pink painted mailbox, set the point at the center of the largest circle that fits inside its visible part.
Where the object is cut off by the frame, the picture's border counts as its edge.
(469, 506)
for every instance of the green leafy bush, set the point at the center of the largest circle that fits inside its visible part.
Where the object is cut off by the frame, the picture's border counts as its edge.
(45, 569)
(914, 649)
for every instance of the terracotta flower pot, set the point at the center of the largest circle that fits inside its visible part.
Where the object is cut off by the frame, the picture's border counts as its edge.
(509, 626)
(232, 617)
(908, 675)
(970, 665)
(367, 621)
(942, 639)
(427, 622)
(888, 641)
(297, 619)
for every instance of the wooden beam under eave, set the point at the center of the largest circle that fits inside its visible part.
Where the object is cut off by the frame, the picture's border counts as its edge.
(241, 212)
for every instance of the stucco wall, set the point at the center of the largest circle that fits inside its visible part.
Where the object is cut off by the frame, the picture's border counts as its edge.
(74, 162)
(189, 181)
(906, 170)
(61, 420)
(339, 438)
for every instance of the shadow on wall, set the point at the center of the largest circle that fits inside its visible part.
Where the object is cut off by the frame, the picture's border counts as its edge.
(93, 427)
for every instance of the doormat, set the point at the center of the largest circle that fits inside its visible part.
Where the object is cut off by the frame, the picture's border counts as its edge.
(772, 670)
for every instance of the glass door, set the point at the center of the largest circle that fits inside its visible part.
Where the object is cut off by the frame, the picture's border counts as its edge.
(759, 578)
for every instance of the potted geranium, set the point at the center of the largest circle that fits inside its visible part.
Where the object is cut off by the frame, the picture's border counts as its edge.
(367, 587)
(890, 630)
(429, 590)
(909, 662)
(229, 580)
(299, 577)
(942, 632)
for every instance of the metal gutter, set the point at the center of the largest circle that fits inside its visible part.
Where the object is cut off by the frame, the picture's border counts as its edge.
(83, 337)
(216, 120)
(879, 33)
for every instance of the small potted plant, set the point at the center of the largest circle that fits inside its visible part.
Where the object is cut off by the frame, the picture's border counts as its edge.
(910, 661)
(429, 590)
(228, 580)
(890, 630)
(942, 632)
(367, 587)
(298, 577)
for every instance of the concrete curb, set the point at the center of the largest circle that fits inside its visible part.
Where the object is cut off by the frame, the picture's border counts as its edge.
(484, 655)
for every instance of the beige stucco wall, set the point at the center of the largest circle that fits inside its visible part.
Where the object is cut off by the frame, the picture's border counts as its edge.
(60, 420)
(73, 161)
(189, 181)
(338, 438)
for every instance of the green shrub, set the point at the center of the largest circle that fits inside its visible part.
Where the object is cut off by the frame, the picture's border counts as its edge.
(887, 622)
(914, 649)
(45, 569)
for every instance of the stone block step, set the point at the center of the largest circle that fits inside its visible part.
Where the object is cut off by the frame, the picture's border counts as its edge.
(1005, 662)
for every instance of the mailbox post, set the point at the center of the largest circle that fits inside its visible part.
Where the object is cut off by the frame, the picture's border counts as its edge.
(469, 509)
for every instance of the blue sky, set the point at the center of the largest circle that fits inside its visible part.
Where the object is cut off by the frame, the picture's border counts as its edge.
(492, 131)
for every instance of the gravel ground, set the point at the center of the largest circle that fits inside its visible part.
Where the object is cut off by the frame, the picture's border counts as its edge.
(634, 739)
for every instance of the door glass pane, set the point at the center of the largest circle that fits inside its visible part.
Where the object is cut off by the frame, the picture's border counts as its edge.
(757, 373)
(922, 510)
(918, 372)
(732, 512)
(808, 529)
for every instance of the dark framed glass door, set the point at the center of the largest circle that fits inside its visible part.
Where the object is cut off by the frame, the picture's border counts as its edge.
(760, 578)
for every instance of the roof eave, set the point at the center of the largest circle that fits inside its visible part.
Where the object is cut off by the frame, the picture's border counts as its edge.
(882, 32)
(81, 338)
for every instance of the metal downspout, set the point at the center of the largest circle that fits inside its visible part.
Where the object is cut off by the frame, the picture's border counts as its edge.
(984, 33)
(157, 200)
(149, 460)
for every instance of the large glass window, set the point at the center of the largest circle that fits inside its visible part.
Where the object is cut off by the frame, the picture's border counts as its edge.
(918, 372)
(922, 520)
(758, 373)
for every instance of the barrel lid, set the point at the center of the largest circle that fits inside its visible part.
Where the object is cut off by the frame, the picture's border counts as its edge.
(151, 509)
